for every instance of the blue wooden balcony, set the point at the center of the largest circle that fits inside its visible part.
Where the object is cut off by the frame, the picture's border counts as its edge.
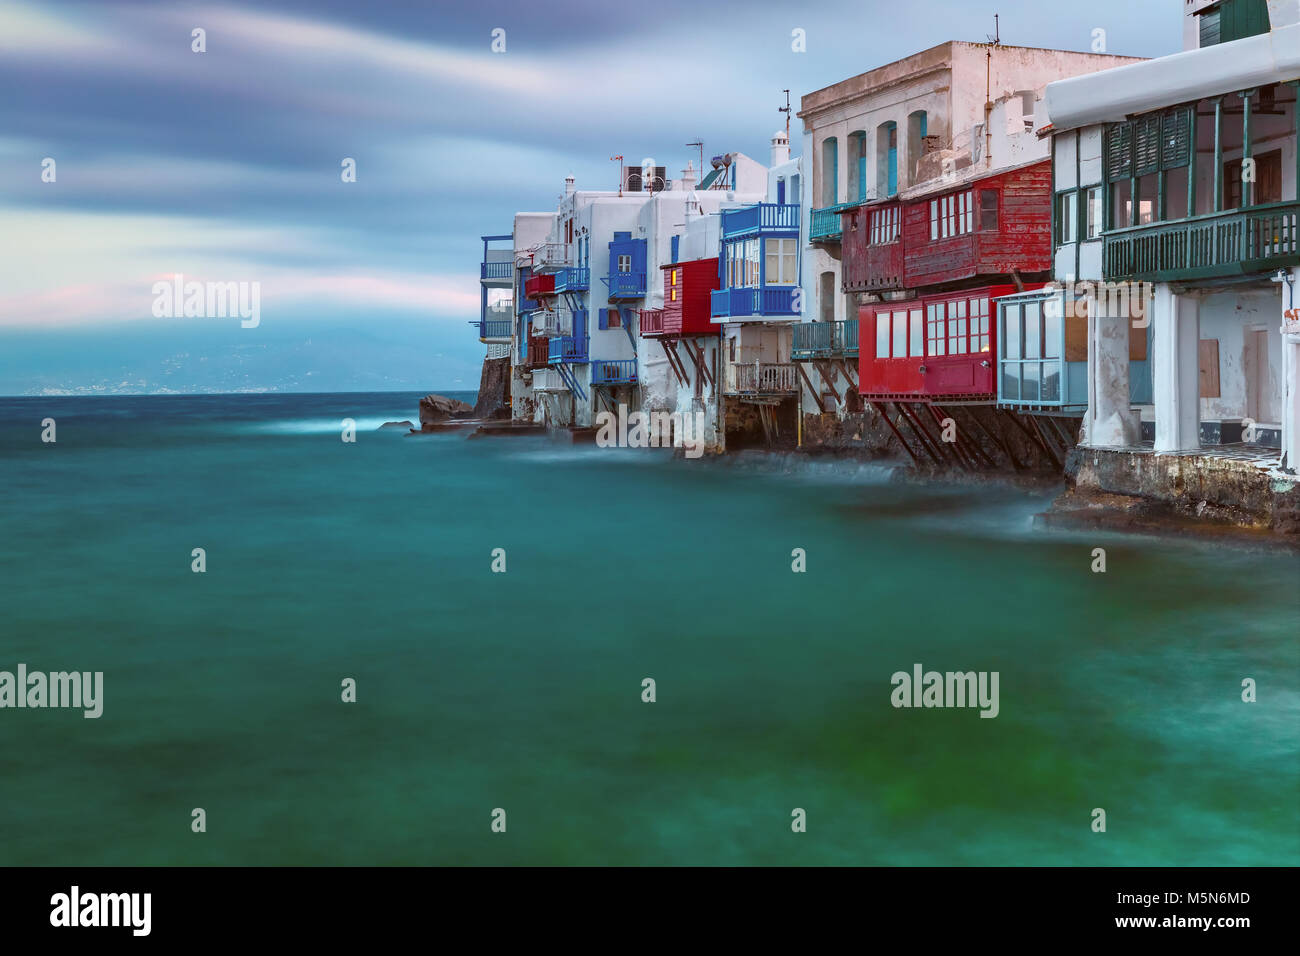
(760, 219)
(1230, 243)
(495, 328)
(816, 340)
(571, 349)
(497, 270)
(613, 372)
(573, 279)
(626, 285)
(825, 225)
(776, 302)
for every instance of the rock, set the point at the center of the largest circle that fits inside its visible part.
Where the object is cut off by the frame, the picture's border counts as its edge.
(493, 390)
(404, 424)
(439, 408)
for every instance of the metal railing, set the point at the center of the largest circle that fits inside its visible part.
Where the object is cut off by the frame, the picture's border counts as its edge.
(825, 339)
(568, 348)
(761, 217)
(613, 372)
(774, 301)
(1233, 242)
(573, 279)
(627, 285)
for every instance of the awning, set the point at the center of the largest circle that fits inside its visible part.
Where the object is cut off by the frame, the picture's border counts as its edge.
(1112, 95)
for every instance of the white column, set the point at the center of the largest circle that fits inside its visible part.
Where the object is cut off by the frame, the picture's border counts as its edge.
(1176, 375)
(1110, 420)
(1291, 377)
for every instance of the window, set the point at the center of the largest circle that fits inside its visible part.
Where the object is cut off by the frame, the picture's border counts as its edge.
(672, 275)
(884, 225)
(882, 335)
(1067, 217)
(988, 210)
(1092, 212)
(951, 215)
(1146, 150)
(900, 334)
(935, 327)
(742, 264)
(781, 261)
(624, 263)
(979, 325)
(731, 350)
(615, 320)
(916, 333)
(957, 327)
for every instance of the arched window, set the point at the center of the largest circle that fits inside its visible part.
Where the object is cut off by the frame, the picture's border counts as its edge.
(858, 165)
(830, 170)
(917, 127)
(886, 159)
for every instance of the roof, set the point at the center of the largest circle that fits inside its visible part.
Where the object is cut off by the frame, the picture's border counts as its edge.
(1113, 95)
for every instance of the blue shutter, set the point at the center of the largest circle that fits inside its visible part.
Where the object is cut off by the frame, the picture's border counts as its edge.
(675, 239)
(602, 320)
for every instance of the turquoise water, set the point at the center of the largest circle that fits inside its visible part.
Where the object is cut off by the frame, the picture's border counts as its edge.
(522, 690)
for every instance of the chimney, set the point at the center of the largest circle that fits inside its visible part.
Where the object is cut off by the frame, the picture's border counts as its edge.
(688, 177)
(568, 184)
(780, 148)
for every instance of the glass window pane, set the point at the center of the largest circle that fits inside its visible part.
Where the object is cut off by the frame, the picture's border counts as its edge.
(1011, 332)
(882, 335)
(1052, 335)
(900, 334)
(1051, 381)
(1029, 381)
(1033, 329)
(916, 346)
(1011, 380)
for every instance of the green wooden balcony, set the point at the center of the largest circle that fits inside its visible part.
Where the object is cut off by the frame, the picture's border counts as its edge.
(1230, 243)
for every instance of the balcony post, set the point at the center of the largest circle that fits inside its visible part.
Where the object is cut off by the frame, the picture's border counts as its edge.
(1176, 373)
(1191, 166)
(1295, 117)
(1218, 154)
(1247, 188)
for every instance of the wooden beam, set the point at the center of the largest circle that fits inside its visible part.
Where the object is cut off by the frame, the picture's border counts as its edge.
(1051, 454)
(821, 406)
(696, 352)
(972, 448)
(670, 353)
(959, 451)
(997, 440)
(884, 413)
(828, 379)
(922, 436)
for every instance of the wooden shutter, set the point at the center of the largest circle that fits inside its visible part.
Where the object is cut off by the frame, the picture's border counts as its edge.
(1146, 144)
(1119, 152)
(1208, 354)
(1175, 141)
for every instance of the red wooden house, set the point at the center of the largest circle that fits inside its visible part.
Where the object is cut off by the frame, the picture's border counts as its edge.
(954, 250)
(687, 286)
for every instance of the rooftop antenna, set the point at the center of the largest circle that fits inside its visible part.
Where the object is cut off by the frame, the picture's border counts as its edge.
(786, 110)
(699, 143)
(994, 40)
(620, 172)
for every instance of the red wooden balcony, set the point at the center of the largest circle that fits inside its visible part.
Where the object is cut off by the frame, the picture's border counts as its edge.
(937, 347)
(652, 321)
(873, 248)
(687, 290)
(538, 353)
(539, 285)
(995, 226)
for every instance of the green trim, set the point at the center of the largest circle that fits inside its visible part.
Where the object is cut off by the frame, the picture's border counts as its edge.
(1247, 188)
(1218, 154)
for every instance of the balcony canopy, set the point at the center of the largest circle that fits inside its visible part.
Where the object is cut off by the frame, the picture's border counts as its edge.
(1112, 95)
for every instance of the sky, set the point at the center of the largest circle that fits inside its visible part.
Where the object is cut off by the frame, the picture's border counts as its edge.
(226, 165)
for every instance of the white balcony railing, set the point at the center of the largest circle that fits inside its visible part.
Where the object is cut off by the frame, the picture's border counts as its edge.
(548, 380)
(548, 256)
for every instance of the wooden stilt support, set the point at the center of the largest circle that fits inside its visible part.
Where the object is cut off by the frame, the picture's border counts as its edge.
(921, 434)
(828, 378)
(821, 406)
(1047, 446)
(674, 360)
(884, 413)
(997, 440)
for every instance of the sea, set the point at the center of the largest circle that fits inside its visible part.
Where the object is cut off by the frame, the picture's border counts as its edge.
(565, 654)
